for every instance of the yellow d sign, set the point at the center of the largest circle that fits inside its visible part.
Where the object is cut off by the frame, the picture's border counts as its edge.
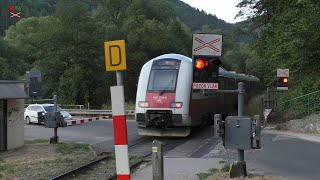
(115, 55)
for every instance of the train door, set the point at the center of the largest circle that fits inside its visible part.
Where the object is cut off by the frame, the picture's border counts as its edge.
(3, 125)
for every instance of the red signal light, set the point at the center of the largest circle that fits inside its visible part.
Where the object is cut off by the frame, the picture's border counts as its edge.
(283, 83)
(11, 8)
(200, 64)
(206, 63)
(285, 80)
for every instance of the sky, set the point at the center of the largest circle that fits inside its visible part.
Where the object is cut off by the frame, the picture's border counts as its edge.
(223, 9)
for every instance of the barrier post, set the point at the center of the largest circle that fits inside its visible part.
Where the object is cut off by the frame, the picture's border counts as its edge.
(55, 138)
(157, 160)
(120, 132)
(239, 168)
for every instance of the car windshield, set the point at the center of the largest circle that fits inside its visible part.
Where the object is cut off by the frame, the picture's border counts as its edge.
(51, 108)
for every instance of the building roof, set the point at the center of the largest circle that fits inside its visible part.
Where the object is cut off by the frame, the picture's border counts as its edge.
(12, 90)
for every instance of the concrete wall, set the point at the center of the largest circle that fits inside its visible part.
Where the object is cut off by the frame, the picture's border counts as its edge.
(15, 122)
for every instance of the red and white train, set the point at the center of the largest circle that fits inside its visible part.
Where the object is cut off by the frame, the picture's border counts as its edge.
(166, 104)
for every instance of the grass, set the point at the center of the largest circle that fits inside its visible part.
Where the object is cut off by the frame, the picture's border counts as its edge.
(254, 106)
(225, 168)
(62, 157)
(5, 167)
(135, 159)
(37, 141)
(69, 148)
(63, 148)
(26, 165)
(205, 175)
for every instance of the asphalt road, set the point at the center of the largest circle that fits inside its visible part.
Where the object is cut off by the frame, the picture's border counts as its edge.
(286, 156)
(99, 134)
(289, 156)
(92, 133)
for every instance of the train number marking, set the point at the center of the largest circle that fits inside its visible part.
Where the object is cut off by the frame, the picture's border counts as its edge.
(205, 86)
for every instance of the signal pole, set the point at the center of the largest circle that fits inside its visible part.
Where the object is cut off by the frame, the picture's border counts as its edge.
(242, 163)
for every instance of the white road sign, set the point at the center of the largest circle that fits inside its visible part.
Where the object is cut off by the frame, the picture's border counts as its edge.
(207, 45)
(282, 72)
(205, 86)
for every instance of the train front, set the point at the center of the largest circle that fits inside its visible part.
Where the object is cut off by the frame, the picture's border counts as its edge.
(163, 95)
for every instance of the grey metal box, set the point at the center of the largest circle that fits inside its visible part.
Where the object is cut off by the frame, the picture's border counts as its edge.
(238, 132)
(34, 83)
(50, 120)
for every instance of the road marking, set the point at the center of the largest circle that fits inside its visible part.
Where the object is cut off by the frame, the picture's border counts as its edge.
(282, 137)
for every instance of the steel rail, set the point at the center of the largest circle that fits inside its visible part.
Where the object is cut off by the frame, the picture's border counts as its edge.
(79, 169)
(90, 164)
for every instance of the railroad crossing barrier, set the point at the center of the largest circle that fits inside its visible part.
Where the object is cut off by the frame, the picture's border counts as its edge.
(85, 120)
(95, 112)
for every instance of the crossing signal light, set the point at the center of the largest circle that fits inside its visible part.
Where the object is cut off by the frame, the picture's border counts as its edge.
(285, 80)
(205, 69)
(283, 83)
(201, 63)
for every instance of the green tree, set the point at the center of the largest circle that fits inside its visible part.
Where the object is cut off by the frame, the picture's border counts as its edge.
(287, 35)
(11, 64)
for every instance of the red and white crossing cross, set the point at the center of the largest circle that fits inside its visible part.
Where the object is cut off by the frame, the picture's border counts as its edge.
(207, 45)
(12, 14)
(282, 72)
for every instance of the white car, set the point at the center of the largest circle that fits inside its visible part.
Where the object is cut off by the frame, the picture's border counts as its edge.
(31, 112)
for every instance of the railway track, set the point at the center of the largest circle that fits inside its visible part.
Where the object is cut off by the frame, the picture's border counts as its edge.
(141, 147)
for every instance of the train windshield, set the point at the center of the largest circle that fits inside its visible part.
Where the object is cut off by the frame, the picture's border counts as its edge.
(163, 76)
(163, 80)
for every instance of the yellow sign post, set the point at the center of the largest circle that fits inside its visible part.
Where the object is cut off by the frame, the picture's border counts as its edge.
(115, 55)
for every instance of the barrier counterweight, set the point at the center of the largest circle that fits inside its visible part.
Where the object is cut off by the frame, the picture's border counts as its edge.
(120, 133)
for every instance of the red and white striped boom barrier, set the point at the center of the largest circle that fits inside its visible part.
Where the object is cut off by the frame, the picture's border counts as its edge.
(120, 133)
(85, 120)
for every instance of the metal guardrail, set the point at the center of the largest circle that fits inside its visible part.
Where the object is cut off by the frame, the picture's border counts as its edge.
(72, 106)
(94, 112)
(63, 106)
(301, 106)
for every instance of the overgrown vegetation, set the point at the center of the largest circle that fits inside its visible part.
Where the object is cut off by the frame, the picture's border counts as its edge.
(203, 176)
(41, 160)
(135, 159)
(69, 148)
(286, 35)
(254, 106)
(225, 168)
(36, 141)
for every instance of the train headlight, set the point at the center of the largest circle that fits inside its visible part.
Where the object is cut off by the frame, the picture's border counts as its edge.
(143, 104)
(176, 104)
